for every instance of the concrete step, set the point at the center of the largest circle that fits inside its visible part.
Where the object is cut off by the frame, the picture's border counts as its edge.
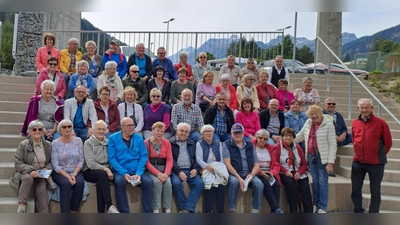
(391, 123)
(16, 87)
(5, 189)
(10, 205)
(6, 170)
(12, 117)
(387, 188)
(10, 140)
(17, 80)
(389, 176)
(348, 150)
(7, 154)
(10, 128)
(15, 96)
(346, 160)
(14, 106)
(388, 202)
(324, 87)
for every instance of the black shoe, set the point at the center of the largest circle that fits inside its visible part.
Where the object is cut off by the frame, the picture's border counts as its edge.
(332, 175)
(184, 211)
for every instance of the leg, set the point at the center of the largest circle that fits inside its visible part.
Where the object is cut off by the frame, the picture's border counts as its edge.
(226, 137)
(208, 199)
(56, 135)
(167, 135)
(233, 189)
(177, 188)
(357, 180)
(305, 193)
(375, 173)
(216, 138)
(147, 134)
(65, 192)
(197, 186)
(246, 138)
(147, 194)
(220, 198)
(42, 202)
(269, 194)
(313, 168)
(25, 187)
(323, 186)
(195, 136)
(291, 192)
(271, 142)
(257, 187)
(120, 193)
(77, 192)
(157, 189)
(167, 193)
(100, 178)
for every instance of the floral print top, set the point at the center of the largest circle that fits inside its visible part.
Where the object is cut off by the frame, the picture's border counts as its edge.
(67, 156)
(306, 99)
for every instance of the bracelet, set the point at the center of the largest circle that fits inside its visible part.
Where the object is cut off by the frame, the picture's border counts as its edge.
(73, 174)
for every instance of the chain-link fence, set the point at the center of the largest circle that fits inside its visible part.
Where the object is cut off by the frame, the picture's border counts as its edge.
(371, 61)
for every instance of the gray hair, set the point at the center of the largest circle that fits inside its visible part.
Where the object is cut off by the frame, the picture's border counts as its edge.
(35, 123)
(183, 124)
(125, 119)
(72, 39)
(62, 123)
(206, 127)
(186, 89)
(365, 99)
(250, 60)
(98, 123)
(306, 79)
(133, 66)
(90, 43)
(183, 54)
(202, 53)
(230, 57)
(48, 82)
(82, 62)
(225, 76)
(329, 99)
(109, 64)
(138, 44)
(262, 133)
(160, 48)
(220, 94)
(278, 57)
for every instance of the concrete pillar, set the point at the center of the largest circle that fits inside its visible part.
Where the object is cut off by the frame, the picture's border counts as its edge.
(329, 29)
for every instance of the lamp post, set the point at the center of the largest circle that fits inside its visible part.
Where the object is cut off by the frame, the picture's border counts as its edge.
(294, 41)
(167, 22)
(151, 48)
(283, 36)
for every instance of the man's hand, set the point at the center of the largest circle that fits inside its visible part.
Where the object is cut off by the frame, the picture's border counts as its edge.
(182, 176)
(128, 178)
(193, 173)
(241, 183)
(90, 132)
(208, 167)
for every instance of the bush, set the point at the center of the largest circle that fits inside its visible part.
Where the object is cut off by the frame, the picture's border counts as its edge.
(6, 59)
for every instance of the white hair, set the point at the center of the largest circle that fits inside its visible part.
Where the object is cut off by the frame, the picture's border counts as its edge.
(182, 54)
(262, 133)
(90, 43)
(35, 123)
(133, 66)
(62, 123)
(82, 62)
(48, 82)
(365, 99)
(109, 64)
(183, 124)
(72, 39)
(206, 128)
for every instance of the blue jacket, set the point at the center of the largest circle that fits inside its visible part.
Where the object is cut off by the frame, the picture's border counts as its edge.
(292, 121)
(126, 160)
(340, 125)
(119, 58)
(191, 147)
(72, 84)
(170, 72)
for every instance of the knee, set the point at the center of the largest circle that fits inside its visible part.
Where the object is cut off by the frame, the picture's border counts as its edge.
(119, 181)
(258, 184)
(233, 181)
(27, 179)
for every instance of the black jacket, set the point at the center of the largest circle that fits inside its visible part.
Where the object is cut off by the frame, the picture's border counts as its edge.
(165, 91)
(265, 116)
(211, 113)
(191, 146)
(149, 64)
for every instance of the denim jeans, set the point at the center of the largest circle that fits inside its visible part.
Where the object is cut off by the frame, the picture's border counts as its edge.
(320, 184)
(69, 202)
(122, 197)
(233, 189)
(197, 186)
(346, 141)
(219, 138)
(81, 133)
(195, 136)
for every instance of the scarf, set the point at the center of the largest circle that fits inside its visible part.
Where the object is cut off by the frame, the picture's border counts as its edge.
(111, 81)
(82, 80)
(291, 155)
(248, 91)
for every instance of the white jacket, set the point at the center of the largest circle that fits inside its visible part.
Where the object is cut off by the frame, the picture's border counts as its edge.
(220, 175)
(326, 138)
(101, 81)
(88, 110)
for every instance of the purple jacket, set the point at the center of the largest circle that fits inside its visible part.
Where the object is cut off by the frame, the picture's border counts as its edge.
(33, 112)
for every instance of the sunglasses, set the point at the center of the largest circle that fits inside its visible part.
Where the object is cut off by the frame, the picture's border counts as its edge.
(263, 138)
(331, 103)
(134, 71)
(156, 96)
(250, 63)
(53, 64)
(68, 126)
(37, 129)
(203, 57)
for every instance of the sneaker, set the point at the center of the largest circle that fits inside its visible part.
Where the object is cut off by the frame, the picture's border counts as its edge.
(315, 209)
(278, 210)
(112, 209)
(156, 211)
(21, 208)
(321, 211)
(332, 174)
(167, 210)
(184, 211)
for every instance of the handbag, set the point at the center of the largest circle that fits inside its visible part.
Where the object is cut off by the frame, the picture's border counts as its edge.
(50, 183)
(158, 163)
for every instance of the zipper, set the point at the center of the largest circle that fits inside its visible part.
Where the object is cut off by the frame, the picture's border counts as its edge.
(365, 128)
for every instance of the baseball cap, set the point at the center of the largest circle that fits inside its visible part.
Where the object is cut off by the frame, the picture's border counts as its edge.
(115, 42)
(237, 127)
(225, 76)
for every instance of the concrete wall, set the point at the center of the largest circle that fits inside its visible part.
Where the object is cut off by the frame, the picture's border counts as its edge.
(329, 29)
(60, 21)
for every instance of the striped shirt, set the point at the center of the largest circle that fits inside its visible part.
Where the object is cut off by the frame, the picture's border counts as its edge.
(220, 122)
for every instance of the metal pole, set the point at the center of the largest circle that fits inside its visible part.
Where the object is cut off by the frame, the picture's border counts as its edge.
(350, 98)
(166, 46)
(98, 42)
(149, 45)
(294, 41)
(195, 48)
(329, 72)
(283, 35)
(240, 47)
(315, 56)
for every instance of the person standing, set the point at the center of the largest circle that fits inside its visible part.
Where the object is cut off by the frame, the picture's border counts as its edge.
(143, 61)
(162, 60)
(114, 54)
(372, 141)
(277, 72)
(233, 70)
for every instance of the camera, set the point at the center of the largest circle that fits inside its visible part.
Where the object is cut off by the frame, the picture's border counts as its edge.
(314, 158)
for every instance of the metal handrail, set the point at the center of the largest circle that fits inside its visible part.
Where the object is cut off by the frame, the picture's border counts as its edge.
(380, 104)
(165, 32)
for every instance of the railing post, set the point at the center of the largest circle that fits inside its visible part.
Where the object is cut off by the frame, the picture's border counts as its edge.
(240, 48)
(98, 42)
(350, 97)
(315, 56)
(329, 72)
(195, 48)
(148, 45)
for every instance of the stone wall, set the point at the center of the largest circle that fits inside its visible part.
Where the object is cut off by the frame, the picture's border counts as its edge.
(29, 39)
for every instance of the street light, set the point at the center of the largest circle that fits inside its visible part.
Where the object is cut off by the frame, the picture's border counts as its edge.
(283, 35)
(167, 22)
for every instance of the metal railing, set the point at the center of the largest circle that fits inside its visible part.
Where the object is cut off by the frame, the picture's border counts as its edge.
(240, 44)
(352, 75)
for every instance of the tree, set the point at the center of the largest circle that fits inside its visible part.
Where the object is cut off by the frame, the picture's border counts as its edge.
(347, 58)
(247, 49)
(305, 55)
(6, 59)
(210, 56)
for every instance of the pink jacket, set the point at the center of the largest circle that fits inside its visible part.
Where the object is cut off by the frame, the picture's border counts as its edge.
(250, 122)
(42, 56)
(60, 89)
(281, 98)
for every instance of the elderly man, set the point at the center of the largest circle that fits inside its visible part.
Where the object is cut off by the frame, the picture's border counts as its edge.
(139, 84)
(143, 61)
(342, 136)
(187, 112)
(80, 110)
(233, 70)
(127, 155)
(242, 163)
(277, 72)
(68, 59)
(372, 141)
(250, 68)
(162, 60)
(273, 121)
(220, 117)
(114, 54)
(185, 169)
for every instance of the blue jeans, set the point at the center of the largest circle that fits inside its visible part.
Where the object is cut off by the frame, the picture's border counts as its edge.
(195, 136)
(109, 134)
(122, 198)
(69, 202)
(320, 182)
(219, 138)
(197, 186)
(233, 189)
(81, 133)
(346, 141)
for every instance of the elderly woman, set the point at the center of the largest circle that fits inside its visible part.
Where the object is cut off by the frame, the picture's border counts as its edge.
(97, 168)
(208, 154)
(139, 84)
(45, 108)
(159, 167)
(179, 85)
(265, 91)
(284, 96)
(46, 52)
(156, 112)
(269, 170)
(295, 119)
(248, 118)
(250, 68)
(293, 174)
(107, 111)
(183, 57)
(51, 73)
(33, 154)
(111, 79)
(229, 90)
(205, 93)
(201, 67)
(94, 61)
(128, 108)
(246, 89)
(307, 95)
(162, 84)
(319, 136)
(67, 160)
(82, 77)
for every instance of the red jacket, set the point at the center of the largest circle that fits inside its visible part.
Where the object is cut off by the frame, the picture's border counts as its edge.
(262, 94)
(303, 163)
(165, 153)
(188, 67)
(234, 101)
(275, 166)
(43, 75)
(371, 140)
(113, 114)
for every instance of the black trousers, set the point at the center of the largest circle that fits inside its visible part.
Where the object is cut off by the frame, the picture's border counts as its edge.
(100, 177)
(219, 198)
(291, 193)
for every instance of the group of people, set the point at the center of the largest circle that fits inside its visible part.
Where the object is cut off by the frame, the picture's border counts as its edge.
(256, 134)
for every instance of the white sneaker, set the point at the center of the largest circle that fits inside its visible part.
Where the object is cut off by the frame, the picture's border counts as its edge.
(167, 210)
(21, 208)
(113, 209)
(321, 211)
(315, 209)
(156, 211)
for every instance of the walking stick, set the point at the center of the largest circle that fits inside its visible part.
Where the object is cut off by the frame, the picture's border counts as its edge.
(296, 182)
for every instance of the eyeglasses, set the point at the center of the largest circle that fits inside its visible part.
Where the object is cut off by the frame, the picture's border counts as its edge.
(130, 125)
(161, 53)
(53, 64)
(263, 138)
(202, 57)
(250, 63)
(134, 71)
(156, 96)
(37, 129)
(331, 103)
(184, 131)
(251, 79)
(68, 126)
(80, 92)
(288, 136)
(105, 94)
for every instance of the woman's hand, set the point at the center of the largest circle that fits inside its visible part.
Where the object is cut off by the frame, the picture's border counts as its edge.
(34, 174)
(289, 174)
(208, 167)
(329, 168)
(109, 173)
(72, 179)
(297, 176)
